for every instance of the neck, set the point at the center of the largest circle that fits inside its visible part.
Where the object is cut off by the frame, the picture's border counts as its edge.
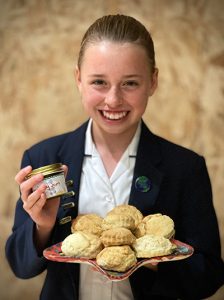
(111, 146)
(114, 144)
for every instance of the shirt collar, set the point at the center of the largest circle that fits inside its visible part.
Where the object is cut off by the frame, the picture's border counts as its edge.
(89, 142)
(90, 149)
(133, 146)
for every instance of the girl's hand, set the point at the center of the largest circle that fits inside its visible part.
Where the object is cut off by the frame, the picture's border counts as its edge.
(152, 266)
(42, 211)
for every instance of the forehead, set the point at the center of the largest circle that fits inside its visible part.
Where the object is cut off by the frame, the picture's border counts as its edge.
(107, 53)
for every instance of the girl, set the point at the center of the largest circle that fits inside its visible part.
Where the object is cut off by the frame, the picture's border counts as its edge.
(106, 158)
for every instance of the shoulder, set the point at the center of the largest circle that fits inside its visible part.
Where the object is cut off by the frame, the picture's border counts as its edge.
(179, 159)
(167, 151)
(170, 148)
(58, 140)
(52, 149)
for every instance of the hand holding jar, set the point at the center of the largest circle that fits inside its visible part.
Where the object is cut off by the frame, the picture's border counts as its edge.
(35, 202)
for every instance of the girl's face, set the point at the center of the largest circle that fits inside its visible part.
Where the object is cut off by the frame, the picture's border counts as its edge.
(115, 82)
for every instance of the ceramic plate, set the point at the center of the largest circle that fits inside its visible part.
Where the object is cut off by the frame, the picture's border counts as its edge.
(182, 251)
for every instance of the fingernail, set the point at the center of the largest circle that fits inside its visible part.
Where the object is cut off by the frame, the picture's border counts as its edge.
(43, 186)
(27, 168)
(39, 176)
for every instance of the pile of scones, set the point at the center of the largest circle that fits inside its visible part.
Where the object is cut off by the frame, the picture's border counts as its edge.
(119, 239)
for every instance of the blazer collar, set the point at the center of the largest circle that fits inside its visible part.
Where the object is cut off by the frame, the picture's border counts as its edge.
(146, 168)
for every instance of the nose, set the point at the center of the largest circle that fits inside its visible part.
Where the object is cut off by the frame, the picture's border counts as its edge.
(113, 97)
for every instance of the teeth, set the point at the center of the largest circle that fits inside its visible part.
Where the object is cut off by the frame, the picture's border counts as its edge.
(114, 116)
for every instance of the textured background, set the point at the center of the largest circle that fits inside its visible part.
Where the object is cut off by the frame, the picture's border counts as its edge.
(38, 98)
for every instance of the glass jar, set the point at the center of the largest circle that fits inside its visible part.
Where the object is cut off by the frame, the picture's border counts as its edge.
(54, 178)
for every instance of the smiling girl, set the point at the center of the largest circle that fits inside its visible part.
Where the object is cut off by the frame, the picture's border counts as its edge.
(107, 158)
(115, 81)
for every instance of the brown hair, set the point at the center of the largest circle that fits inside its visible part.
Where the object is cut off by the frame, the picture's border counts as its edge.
(118, 28)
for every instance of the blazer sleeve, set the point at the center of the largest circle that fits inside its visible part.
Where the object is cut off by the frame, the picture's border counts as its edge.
(200, 275)
(20, 249)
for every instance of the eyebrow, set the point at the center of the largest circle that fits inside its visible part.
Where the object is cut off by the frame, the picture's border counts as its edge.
(125, 76)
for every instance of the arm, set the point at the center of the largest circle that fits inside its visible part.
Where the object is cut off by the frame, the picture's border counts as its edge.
(21, 252)
(34, 223)
(202, 274)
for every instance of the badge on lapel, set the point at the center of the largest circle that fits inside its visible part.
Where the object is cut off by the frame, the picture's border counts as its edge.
(143, 184)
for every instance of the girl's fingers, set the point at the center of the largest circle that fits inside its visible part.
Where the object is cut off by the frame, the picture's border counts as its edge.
(33, 198)
(27, 185)
(21, 175)
(38, 205)
(65, 168)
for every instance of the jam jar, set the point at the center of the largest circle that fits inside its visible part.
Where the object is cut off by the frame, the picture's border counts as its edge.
(54, 178)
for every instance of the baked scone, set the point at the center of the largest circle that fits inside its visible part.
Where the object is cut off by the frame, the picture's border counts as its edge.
(156, 224)
(118, 220)
(117, 236)
(116, 258)
(127, 209)
(81, 244)
(151, 245)
(90, 223)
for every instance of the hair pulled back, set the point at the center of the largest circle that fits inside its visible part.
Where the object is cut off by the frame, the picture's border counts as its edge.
(121, 29)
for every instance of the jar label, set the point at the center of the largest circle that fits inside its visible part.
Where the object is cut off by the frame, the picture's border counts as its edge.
(56, 185)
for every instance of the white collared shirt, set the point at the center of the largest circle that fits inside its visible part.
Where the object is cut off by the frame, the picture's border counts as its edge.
(99, 194)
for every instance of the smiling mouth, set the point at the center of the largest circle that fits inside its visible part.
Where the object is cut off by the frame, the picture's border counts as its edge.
(114, 115)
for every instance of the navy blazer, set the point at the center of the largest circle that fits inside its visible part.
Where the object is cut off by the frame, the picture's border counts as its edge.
(180, 188)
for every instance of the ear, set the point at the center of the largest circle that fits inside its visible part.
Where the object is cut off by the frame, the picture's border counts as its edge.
(77, 74)
(154, 82)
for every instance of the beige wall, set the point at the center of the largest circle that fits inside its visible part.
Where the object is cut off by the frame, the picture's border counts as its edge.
(39, 42)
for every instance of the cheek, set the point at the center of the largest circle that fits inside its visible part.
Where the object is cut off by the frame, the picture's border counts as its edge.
(139, 101)
(141, 108)
(90, 98)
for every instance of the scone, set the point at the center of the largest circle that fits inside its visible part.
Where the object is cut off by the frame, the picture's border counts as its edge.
(118, 220)
(156, 224)
(90, 223)
(151, 245)
(116, 258)
(117, 236)
(127, 209)
(81, 244)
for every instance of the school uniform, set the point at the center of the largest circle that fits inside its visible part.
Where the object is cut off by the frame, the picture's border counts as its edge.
(176, 183)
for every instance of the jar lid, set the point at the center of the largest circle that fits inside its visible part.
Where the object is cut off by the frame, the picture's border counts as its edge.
(46, 170)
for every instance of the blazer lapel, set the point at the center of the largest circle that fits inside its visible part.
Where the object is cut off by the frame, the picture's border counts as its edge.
(72, 154)
(147, 178)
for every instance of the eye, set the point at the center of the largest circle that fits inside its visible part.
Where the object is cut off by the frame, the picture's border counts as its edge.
(131, 83)
(98, 82)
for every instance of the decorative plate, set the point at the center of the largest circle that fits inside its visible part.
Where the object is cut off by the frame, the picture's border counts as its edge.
(182, 251)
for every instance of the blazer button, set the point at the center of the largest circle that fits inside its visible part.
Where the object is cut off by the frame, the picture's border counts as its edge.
(69, 182)
(65, 220)
(68, 194)
(68, 205)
